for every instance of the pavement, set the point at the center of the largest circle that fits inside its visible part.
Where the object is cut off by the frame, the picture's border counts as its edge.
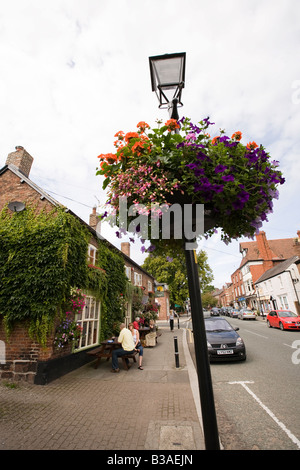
(155, 409)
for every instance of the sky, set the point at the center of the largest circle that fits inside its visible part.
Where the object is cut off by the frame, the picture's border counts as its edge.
(75, 72)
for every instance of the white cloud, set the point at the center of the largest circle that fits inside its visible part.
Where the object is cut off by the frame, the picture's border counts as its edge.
(73, 73)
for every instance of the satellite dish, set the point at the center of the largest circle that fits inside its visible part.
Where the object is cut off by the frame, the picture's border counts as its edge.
(16, 206)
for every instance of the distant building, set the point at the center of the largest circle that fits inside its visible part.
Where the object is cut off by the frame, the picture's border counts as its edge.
(258, 257)
(279, 287)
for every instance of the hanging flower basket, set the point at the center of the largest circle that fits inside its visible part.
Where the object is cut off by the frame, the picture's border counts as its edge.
(154, 168)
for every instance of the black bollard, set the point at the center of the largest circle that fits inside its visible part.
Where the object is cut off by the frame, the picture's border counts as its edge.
(176, 352)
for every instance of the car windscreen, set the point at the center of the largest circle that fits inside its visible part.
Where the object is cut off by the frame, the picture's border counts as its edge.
(218, 325)
(287, 313)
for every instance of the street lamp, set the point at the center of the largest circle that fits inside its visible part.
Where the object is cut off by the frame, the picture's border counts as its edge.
(168, 73)
(168, 76)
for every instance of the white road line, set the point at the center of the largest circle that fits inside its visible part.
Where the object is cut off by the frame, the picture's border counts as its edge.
(280, 424)
(248, 331)
(290, 345)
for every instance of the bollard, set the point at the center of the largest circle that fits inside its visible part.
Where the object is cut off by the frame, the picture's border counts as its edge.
(176, 351)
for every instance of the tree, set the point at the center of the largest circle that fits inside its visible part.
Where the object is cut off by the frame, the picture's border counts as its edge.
(170, 268)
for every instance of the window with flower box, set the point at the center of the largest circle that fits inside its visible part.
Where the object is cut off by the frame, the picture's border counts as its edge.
(89, 321)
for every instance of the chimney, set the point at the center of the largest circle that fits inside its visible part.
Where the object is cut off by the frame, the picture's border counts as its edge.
(298, 233)
(94, 219)
(264, 250)
(125, 248)
(21, 160)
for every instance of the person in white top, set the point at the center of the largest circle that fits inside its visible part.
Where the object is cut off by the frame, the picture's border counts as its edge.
(137, 344)
(171, 319)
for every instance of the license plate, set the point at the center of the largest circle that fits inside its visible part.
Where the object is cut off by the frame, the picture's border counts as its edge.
(225, 351)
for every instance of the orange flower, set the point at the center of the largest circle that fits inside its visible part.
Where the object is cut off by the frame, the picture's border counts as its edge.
(215, 140)
(237, 135)
(252, 145)
(120, 135)
(131, 135)
(172, 124)
(142, 126)
(139, 146)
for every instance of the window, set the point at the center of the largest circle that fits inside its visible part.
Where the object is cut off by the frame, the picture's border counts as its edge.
(149, 286)
(92, 255)
(89, 320)
(137, 279)
(128, 272)
(284, 301)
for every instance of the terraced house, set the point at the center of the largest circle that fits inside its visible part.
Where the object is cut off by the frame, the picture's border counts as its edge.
(258, 258)
(90, 260)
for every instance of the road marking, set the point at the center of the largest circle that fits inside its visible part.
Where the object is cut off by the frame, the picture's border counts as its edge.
(248, 331)
(290, 345)
(280, 424)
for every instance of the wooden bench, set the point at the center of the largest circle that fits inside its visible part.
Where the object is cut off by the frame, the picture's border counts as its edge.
(102, 351)
(128, 356)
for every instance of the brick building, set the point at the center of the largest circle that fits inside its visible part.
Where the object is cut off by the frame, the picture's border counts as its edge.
(258, 257)
(21, 358)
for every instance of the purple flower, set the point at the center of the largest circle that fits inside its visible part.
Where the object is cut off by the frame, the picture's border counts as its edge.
(223, 139)
(218, 188)
(201, 156)
(199, 171)
(220, 168)
(242, 198)
(228, 178)
(192, 166)
(207, 122)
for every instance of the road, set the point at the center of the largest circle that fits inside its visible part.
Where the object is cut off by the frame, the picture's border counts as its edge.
(257, 402)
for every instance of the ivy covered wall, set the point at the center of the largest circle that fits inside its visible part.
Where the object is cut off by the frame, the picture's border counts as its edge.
(42, 256)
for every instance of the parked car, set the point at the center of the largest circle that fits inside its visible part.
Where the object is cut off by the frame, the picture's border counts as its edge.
(223, 341)
(223, 311)
(283, 319)
(229, 310)
(246, 314)
(234, 313)
(215, 311)
(206, 313)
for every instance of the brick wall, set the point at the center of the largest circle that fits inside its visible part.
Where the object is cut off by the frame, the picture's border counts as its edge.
(13, 189)
(20, 354)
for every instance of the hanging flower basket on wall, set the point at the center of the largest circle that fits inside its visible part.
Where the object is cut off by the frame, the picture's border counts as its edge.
(154, 168)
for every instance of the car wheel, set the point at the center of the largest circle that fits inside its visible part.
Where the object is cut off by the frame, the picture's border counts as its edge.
(281, 326)
(268, 324)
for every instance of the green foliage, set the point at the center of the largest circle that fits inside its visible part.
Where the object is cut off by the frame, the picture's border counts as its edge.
(170, 267)
(42, 255)
(114, 299)
(208, 300)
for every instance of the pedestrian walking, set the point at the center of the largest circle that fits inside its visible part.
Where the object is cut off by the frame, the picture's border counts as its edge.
(171, 319)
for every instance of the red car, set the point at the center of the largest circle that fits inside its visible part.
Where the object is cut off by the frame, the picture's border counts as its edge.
(283, 319)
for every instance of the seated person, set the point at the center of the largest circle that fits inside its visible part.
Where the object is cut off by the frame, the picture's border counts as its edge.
(137, 344)
(126, 340)
(136, 323)
(150, 338)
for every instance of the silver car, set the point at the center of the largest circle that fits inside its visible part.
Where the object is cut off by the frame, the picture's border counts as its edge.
(246, 314)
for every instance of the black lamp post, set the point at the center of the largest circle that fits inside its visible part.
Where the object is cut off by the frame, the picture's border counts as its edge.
(168, 75)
